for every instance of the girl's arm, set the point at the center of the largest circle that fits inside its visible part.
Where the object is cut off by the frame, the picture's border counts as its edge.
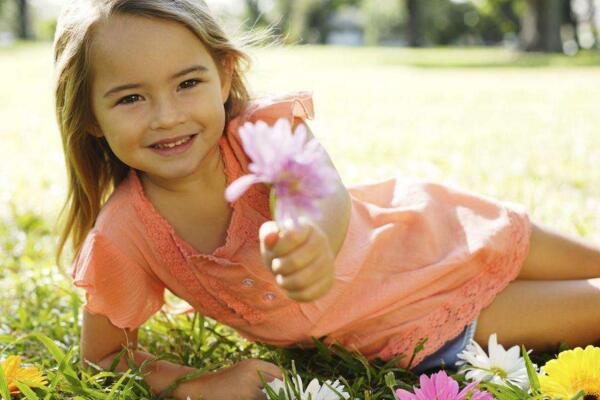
(335, 209)
(101, 342)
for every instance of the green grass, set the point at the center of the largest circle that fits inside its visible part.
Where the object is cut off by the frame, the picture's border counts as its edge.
(517, 127)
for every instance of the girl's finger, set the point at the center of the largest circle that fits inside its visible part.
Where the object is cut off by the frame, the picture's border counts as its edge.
(270, 373)
(313, 292)
(269, 235)
(305, 277)
(291, 237)
(297, 258)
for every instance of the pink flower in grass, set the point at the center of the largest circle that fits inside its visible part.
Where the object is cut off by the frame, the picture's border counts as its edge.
(441, 387)
(298, 170)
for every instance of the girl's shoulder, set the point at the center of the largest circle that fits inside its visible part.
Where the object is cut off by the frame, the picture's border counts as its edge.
(118, 218)
(118, 228)
(270, 108)
(119, 204)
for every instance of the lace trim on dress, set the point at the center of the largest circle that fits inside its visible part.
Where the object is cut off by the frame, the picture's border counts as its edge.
(164, 238)
(449, 320)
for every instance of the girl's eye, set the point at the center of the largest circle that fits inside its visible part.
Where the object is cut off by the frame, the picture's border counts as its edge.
(189, 83)
(128, 99)
(133, 98)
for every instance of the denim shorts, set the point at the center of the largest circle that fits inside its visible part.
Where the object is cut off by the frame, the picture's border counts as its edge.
(447, 355)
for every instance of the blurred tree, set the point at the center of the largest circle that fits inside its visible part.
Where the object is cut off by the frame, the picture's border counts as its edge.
(298, 20)
(316, 17)
(384, 21)
(255, 14)
(570, 19)
(447, 22)
(540, 26)
(414, 28)
(285, 8)
(499, 19)
(24, 23)
(594, 23)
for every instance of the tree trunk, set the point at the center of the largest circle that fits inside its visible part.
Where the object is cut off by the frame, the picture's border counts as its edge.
(24, 23)
(540, 30)
(254, 13)
(570, 19)
(413, 26)
(593, 22)
(285, 8)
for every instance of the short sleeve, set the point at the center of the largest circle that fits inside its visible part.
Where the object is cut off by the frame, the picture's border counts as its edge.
(293, 106)
(116, 286)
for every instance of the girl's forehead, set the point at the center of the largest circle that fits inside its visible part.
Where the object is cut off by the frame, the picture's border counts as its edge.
(131, 45)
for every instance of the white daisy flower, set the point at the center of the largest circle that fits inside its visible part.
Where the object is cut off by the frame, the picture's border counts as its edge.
(500, 366)
(314, 390)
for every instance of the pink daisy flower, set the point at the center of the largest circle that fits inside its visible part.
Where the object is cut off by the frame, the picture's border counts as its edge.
(441, 387)
(298, 170)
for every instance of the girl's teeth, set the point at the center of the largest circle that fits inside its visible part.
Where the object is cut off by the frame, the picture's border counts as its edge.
(171, 145)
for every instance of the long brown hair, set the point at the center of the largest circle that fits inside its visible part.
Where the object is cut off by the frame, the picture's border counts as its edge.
(93, 171)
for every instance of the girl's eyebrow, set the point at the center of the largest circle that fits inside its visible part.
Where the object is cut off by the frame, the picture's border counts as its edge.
(193, 68)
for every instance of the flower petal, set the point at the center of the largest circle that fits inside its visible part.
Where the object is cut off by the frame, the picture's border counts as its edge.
(239, 187)
(402, 394)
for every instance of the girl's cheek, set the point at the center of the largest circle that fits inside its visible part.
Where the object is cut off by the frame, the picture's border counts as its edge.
(130, 118)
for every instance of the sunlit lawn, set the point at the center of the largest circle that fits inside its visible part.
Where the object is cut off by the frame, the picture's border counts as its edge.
(520, 128)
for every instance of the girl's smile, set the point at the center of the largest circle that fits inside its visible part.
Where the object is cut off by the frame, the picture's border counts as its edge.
(174, 146)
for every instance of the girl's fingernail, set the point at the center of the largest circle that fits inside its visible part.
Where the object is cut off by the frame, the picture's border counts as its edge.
(276, 264)
(271, 239)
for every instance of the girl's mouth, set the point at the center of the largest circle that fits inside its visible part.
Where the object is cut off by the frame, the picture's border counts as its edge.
(175, 147)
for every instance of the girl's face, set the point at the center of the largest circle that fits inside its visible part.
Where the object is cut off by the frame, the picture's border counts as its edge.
(157, 95)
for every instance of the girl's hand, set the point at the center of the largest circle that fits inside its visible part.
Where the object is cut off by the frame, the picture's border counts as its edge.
(240, 382)
(300, 257)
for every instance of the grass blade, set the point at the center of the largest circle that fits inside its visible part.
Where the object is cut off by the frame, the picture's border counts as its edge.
(54, 350)
(531, 372)
(26, 391)
(117, 384)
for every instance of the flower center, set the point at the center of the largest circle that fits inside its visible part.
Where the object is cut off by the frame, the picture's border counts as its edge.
(500, 372)
(291, 182)
(589, 386)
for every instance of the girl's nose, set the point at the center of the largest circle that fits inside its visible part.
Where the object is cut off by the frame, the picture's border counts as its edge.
(167, 114)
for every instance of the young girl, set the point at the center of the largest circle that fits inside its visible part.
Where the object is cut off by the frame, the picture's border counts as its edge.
(149, 98)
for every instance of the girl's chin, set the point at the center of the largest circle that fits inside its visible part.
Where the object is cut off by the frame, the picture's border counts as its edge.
(171, 175)
(174, 172)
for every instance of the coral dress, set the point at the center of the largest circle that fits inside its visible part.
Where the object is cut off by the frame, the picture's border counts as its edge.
(420, 259)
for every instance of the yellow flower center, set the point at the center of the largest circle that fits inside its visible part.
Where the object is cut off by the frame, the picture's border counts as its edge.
(292, 181)
(500, 372)
(586, 384)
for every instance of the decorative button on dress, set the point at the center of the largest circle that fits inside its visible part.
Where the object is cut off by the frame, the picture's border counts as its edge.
(420, 259)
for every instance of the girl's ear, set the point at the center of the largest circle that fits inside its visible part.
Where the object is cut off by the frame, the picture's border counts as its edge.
(226, 78)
